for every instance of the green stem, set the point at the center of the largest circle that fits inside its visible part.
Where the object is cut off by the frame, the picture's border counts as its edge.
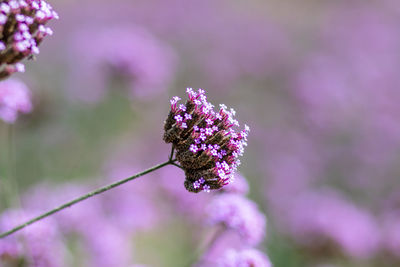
(14, 199)
(10, 151)
(177, 165)
(7, 182)
(86, 196)
(200, 254)
(171, 155)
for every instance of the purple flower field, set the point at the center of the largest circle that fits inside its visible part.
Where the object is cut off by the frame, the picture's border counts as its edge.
(271, 130)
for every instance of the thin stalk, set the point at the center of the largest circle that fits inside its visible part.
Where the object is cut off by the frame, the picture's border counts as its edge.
(86, 196)
(10, 151)
(177, 165)
(206, 247)
(171, 155)
(12, 167)
(7, 180)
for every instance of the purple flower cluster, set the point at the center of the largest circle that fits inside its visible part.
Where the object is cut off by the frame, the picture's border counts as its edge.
(221, 59)
(14, 97)
(22, 29)
(342, 132)
(207, 145)
(104, 226)
(238, 186)
(335, 220)
(145, 63)
(38, 245)
(240, 214)
(391, 233)
(244, 258)
(243, 225)
(191, 206)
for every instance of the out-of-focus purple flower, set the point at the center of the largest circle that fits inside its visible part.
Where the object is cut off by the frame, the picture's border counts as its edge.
(326, 265)
(239, 185)
(294, 163)
(10, 250)
(336, 90)
(220, 59)
(132, 206)
(185, 202)
(343, 132)
(37, 245)
(104, 233)
(325, 215)
(22, 30)
(226, 240)
(264, 49)
(244, 258)
(207, 145)
(107, 245)
(338, 82)
(391, 233)
(133, 53)
(132, 209)
(238, 213)
(14, 97)
(77, 218)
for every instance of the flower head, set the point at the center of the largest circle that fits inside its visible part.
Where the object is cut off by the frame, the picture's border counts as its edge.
(207, 145)
(133, 54)
(244, 258)
(14, 97)
(240, 214)
(336, 221)
(39, 245)
(22, 28)
(238, 186)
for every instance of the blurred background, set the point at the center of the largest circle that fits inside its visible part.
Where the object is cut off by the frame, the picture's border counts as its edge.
(317, 82)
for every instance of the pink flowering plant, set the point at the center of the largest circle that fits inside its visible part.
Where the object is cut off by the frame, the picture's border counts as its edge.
(93, 109)
(206, 147)
(324, 148)
(205, 144)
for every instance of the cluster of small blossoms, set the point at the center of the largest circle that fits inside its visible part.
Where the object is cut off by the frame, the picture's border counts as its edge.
(22, 29)
(145, 63)
(39, 245)
(15, 97)
(246, 258)
(207, 146)
(239, 217)
(240, 214)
